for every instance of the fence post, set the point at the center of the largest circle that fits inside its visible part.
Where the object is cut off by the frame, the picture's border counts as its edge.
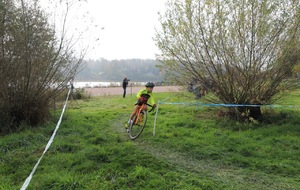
(154, 127)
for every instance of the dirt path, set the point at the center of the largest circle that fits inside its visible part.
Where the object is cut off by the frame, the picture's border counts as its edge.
(130, 90)
(198, 167)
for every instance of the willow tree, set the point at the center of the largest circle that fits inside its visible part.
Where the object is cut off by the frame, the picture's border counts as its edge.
(241, 50)
(35, 64)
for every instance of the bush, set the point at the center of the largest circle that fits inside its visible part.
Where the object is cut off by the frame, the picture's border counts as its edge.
(80, 93)
(31, 111)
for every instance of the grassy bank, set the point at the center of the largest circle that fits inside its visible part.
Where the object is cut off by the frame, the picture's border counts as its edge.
(193, 149)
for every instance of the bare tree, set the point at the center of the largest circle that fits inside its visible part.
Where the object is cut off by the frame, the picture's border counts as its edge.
(242, 51)
(35, 64)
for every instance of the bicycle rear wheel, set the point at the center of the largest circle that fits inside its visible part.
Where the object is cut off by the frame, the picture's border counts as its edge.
(135, 129)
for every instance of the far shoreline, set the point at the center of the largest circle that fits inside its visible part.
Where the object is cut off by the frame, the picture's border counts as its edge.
(130, 90)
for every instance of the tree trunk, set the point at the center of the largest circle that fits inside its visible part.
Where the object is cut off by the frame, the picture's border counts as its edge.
(250, 112)
(255, 112)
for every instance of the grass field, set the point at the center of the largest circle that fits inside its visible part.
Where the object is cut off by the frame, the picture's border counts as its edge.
(193, 149)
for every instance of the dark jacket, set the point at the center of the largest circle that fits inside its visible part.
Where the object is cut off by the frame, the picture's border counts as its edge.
(125, 82)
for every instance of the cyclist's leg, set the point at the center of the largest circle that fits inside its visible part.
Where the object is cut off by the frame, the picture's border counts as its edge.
(145, 107)
(130, 120)
(135, 110)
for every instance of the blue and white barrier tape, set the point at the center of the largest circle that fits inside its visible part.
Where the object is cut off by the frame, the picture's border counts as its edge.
(213, 105)
(226, 105)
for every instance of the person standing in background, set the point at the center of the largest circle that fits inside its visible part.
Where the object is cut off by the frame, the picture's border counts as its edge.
(125, 84)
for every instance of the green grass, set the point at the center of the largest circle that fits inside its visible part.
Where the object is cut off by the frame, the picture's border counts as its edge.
(193, 149)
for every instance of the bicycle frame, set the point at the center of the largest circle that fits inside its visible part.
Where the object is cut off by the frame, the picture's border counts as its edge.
(138, 115)
(139, 122)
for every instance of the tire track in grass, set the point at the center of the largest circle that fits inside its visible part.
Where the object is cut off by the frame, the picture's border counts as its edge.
(231, 177)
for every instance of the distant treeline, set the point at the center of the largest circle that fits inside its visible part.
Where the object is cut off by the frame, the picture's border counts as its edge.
(116, 70)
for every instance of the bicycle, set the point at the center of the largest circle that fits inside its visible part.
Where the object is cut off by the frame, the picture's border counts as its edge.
(136, 127)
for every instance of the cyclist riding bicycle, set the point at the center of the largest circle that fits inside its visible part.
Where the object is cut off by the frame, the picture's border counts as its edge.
(144, 95)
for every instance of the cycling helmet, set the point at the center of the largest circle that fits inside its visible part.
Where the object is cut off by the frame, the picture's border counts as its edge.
(149, 84)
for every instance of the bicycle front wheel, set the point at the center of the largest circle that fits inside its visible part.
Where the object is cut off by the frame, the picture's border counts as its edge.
(136, 128)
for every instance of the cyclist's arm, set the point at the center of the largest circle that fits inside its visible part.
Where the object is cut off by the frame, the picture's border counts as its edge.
(138, 95)
(151, 100)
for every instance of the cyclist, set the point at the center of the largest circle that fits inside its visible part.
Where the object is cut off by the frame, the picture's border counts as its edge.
(144, 95)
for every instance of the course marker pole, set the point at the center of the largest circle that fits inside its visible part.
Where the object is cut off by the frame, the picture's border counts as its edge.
(154, 127)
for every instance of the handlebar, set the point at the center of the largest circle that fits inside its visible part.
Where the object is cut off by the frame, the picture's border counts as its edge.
(150, 106)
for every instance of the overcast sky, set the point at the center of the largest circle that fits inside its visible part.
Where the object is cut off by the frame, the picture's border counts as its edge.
(124, 28)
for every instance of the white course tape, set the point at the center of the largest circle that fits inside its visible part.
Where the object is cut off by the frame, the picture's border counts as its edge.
(26, 183)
